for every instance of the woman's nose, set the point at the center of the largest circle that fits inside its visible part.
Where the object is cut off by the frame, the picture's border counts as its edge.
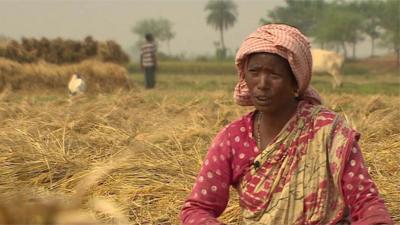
(264, 82)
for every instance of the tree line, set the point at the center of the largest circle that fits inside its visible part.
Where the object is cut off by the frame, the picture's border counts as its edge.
(341, 24)
(61, 51)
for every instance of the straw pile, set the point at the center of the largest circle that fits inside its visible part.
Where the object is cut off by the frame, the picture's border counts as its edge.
(100, 76)
(134, 156)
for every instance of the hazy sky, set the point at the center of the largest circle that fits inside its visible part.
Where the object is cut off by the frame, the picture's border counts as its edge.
(114, 19)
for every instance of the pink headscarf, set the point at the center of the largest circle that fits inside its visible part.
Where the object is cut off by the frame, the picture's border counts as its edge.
(289, 43)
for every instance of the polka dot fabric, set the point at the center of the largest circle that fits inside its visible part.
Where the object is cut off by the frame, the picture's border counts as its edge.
(358, 189)
(231, 156)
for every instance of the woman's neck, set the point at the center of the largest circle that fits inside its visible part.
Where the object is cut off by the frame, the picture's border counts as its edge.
(272, 123)
(279, 119)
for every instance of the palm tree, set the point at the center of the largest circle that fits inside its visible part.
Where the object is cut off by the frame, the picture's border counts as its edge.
(222, 15)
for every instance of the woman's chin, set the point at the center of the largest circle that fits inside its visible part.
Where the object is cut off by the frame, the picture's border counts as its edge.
(265, 108)
(265, 104)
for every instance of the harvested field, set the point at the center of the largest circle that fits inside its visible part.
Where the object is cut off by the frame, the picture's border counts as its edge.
(134, 155)
(100, 76)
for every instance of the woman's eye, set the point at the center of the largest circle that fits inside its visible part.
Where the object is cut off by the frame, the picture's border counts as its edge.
(253, 72)
(276, 76)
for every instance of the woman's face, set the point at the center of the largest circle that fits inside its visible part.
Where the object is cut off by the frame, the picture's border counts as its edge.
(271, 82)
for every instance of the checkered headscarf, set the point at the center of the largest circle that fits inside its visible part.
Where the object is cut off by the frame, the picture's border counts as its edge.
(283, 40)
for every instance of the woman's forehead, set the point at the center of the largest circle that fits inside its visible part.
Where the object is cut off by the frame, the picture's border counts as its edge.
(267, 58)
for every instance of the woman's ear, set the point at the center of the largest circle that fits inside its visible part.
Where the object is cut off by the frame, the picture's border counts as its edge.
(295, 87)
(296, 93)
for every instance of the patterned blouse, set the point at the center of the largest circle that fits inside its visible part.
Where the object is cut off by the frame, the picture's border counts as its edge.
(234, 159)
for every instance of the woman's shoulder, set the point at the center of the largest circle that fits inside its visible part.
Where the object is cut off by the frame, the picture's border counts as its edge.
(330, 119)
(320, 115)
(335, 117)
(317, 112)
(242, 125)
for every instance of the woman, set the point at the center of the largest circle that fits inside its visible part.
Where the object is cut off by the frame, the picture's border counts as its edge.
(292, 160)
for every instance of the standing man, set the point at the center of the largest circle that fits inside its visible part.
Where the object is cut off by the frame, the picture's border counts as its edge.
(148, 61)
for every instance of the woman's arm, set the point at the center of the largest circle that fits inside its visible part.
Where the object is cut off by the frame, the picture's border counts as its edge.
(210, 193)
(361, 194)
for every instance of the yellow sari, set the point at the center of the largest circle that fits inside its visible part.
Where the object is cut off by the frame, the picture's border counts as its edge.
(296, 179)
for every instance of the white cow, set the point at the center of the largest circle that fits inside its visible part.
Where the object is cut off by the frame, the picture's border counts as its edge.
(329, 62)
(76, 85)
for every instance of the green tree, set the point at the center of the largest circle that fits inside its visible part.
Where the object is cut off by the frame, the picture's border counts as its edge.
(340, 25)
(355, 24)
(370, 10)
(331, 23)
(166, 32)
(161, 29)
(222, 15)
(302, 14)
(390, 22)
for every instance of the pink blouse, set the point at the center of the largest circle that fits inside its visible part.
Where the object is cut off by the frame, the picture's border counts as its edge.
(225, 164)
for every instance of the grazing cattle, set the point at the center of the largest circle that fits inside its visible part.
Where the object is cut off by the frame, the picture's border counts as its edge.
(76, 85)
(328, 62)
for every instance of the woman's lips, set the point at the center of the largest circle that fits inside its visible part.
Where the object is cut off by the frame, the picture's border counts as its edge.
(263, 100)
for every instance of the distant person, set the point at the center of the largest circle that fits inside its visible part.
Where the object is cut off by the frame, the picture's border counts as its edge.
(291, 159)
(148, 61)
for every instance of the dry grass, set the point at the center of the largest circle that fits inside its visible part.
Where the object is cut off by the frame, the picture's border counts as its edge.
(101, 77)
(135, 155)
